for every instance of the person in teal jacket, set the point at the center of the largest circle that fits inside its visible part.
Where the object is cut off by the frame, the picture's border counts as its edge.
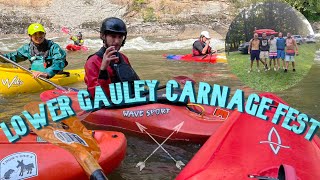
(46, 57)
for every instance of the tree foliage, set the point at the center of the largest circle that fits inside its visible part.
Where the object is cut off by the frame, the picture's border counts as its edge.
(309, 8)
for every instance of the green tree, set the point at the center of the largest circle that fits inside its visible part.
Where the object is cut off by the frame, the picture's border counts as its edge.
(309, 8)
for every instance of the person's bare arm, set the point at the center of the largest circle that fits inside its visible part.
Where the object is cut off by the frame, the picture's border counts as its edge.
(249, 48)
(205, 49)
(296, 46)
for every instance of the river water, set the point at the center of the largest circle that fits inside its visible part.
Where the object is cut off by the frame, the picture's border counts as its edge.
(145, 55)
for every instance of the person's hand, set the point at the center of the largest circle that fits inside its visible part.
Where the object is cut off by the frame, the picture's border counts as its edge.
(37, 74)
(207, 41)
(248, 52)
(109, 56)
(297, 53)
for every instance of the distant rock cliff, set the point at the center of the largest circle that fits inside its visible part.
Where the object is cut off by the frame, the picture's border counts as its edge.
(178, 18)
(144, 17)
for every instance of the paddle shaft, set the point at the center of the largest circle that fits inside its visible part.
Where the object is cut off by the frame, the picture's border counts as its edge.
(41, 78)
(218, 51)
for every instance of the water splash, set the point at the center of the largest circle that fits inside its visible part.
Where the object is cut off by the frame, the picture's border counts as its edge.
(138, 44)
(311, 32)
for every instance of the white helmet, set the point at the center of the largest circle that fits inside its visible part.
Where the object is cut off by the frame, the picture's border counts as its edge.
(205, 34)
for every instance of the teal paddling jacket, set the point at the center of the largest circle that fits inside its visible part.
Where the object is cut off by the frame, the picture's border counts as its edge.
(54, 59)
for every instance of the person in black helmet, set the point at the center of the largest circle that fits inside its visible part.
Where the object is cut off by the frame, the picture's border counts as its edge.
(108, 65)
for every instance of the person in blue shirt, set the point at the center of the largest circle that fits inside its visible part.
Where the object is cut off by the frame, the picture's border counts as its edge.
(46, 57)
(281, 45)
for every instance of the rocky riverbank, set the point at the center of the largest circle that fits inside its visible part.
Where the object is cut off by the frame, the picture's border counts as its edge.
(163, 18)
(148, 18)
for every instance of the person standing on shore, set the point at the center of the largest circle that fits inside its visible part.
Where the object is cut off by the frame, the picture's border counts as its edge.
(291, 51)
(254, 51)
(281, 45)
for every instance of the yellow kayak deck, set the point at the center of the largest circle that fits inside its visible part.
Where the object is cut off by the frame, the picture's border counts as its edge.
(15, 80)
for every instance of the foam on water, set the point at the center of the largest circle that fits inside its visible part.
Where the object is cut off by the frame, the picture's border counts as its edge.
(139, 44)
(311, 32)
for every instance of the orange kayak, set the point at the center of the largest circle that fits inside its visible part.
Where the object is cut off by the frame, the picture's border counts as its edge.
(32, 157)
(192, 123)
(246, 145)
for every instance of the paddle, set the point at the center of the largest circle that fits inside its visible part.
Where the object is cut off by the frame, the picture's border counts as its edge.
(67, 31)
(215, 52)
(71, 135)
(41, 78)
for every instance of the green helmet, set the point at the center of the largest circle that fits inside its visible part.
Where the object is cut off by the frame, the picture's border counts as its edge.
(35, 27)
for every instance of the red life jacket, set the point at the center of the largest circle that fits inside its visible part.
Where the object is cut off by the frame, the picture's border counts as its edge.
(195, 52)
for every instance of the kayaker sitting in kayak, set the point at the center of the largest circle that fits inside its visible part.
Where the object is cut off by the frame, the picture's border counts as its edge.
(46, 57)
(77, 40)
(108, 65)
(202, 45)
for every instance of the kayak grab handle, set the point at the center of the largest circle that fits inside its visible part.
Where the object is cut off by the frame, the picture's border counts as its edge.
(261, 177)
(195, 110)
(285, 172)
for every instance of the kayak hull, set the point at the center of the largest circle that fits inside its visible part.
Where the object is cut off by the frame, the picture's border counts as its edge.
(47, 161)
(213, 58)
(15, 80)
(268, 32)
(159, 119)
(247, 145)
(73, 47)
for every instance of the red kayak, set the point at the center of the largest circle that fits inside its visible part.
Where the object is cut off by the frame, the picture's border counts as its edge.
(248, 146)
(210, 58)
(194, 123)
(73, 47)
(33, 157)
(267, 31)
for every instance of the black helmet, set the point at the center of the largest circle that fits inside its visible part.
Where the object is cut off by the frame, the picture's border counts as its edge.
(113, 25)
(79, 34)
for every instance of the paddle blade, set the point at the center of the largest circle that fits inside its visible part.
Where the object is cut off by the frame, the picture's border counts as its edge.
(141, 165)
(65, 30)
(71, 135)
